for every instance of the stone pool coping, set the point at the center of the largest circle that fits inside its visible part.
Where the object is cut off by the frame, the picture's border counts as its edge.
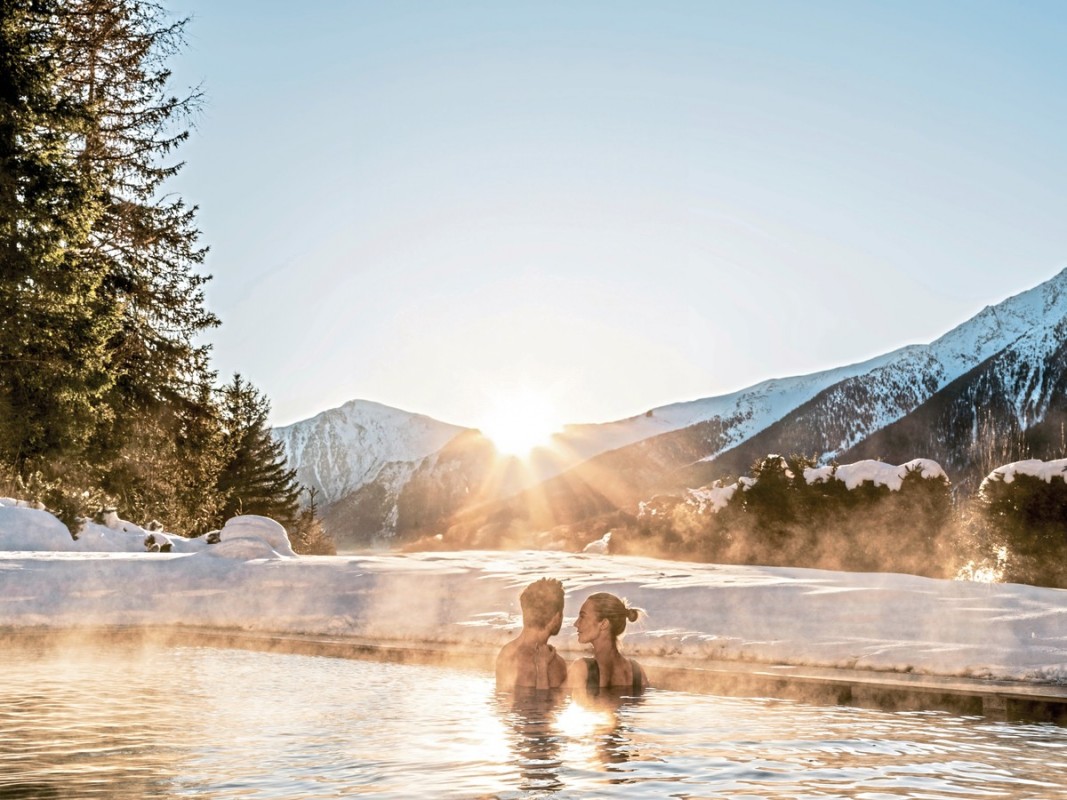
(893, 691)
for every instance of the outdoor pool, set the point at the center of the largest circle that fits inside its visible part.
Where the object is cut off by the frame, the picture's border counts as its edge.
(194, 722)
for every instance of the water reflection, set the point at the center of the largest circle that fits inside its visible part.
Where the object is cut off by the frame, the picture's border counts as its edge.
(229, 724)
(608, 714)
(548, 729)
(71, 724)
(531, 717)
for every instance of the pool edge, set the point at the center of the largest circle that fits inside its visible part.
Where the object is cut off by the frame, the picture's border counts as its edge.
(893, 691)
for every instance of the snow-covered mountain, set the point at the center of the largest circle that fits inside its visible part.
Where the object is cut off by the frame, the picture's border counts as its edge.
(343, 449)
(380, 472)
(1023, 331)
(400, 472)
(1011, 407)
(751, 410)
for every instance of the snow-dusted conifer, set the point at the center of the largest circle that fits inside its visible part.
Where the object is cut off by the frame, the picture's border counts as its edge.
(255, 479)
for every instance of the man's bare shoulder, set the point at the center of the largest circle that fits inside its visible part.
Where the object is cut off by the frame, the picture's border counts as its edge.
(509, 651)
(557, 669)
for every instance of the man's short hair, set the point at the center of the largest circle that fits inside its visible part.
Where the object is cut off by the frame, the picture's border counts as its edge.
(541, 601)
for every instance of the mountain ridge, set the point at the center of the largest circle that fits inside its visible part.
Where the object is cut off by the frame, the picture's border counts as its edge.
(595, 468)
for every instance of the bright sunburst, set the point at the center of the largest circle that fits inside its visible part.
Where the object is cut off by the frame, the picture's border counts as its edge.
(519, 422)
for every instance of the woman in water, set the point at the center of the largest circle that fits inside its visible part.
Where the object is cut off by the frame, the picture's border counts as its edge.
(601, 621)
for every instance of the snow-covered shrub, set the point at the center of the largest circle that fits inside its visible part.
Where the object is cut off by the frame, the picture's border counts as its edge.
(1024, 508)
(64, 491)
(666, 525)
(864, 516)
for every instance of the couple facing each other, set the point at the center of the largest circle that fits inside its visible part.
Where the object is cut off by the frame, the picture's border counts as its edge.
(529, 661)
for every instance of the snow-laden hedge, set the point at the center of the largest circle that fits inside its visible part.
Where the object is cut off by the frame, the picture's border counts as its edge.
(1024, 516)
(870, 515)
(863, 516)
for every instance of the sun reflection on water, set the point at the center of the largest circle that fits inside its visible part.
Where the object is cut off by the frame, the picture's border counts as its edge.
(583, 728)
(577, 720)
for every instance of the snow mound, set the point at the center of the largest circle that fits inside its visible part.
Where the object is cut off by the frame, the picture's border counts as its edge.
(32, 529)
(242, 548)
(1034, 467)
(256, 527)
(877, 472)
(24, 528)
(601, 545)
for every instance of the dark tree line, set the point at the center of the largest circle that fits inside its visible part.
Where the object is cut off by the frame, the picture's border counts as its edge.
(107, 395)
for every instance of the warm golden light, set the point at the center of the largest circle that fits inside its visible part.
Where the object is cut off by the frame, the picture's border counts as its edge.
(519, 422)
(584, 729)
(583, 722)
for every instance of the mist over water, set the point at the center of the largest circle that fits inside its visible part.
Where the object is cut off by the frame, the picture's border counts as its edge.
(190, 721)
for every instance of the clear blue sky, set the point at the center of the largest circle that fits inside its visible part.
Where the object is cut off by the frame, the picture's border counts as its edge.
(621, 205)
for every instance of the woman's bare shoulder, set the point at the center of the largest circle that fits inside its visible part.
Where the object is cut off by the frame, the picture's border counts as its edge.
(577, 672)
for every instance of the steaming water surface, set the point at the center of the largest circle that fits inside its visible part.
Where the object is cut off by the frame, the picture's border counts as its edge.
(186, 722)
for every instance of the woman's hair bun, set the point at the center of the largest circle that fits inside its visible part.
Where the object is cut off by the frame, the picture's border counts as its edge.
(631, 614)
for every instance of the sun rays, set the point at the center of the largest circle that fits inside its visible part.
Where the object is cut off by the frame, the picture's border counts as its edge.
(520, 421)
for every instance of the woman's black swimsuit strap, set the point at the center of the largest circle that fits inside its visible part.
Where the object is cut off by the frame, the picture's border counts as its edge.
(592, 677)
(639, 677)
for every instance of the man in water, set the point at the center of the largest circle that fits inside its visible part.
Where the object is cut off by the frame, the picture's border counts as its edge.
(529, 660)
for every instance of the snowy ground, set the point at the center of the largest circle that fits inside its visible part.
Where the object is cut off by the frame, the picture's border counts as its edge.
(250, 580)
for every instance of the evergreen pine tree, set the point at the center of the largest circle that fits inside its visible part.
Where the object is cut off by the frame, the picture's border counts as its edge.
(1028, 515)
(105, 386)
(309, 538)
(255, 479)
(103, 383)
(111, 59)
(56, 316)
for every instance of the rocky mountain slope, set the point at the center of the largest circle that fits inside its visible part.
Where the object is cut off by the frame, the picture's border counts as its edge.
(1011, 407)
(344, 449)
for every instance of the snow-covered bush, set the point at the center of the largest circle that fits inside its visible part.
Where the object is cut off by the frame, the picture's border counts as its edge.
(1023, 508)
(863, 516)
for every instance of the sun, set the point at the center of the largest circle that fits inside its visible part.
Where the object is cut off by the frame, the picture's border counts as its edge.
(519, 422)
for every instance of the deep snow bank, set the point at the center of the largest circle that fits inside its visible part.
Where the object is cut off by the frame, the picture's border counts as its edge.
(757, 614)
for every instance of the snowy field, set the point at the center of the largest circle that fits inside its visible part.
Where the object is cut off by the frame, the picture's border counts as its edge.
(251, 580)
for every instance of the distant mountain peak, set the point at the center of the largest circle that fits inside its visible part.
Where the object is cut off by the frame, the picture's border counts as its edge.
(343, 448)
